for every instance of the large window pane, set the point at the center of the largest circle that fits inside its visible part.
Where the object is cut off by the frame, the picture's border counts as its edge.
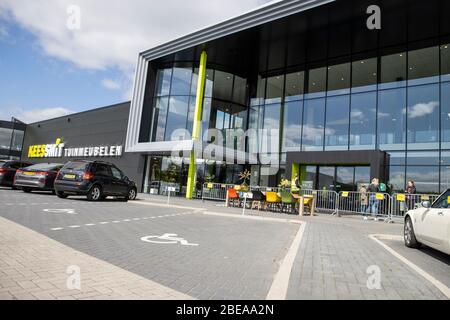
(362, 176)
(313, 125)
(345, 178)
(425, 178)
(445, 178)
(429, 158)
(178, 110)
(292, 128)
(364, 75)
(223, 85)
(392, 119)
(17, 140)
(337, 126)
(423, 117)
(317, 84)
(254, 125)
(397, 178)
(163, 79)
(295, 83)
(181, 81)
(271, 125)
(445, 115)
(160, 117)
(209, 82)
(445, 62)
(423, 66)
(326, 178)
(275, 86)
(363, 121)
(240, 90)
(5, 138)
(393, 70)
(339, 79)
(260, 92)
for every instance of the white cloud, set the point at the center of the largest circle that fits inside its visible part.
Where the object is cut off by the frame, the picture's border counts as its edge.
(111, 84)
(114, 32)
(422, 109)
(35, 115)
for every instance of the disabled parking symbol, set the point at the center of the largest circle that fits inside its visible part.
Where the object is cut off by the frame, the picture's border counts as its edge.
(168, 238)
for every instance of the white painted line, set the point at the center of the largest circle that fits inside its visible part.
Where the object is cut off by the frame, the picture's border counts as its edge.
(57, 229)
(74, 227)
(116, 222)
(104, 222)
(126, 220)
(147, 203)
(280, 285)
(136, 219)
(442, 287)
(240, 216)
(90, 224)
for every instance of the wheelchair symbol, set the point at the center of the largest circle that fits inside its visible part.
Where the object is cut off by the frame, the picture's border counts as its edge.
(168, 238)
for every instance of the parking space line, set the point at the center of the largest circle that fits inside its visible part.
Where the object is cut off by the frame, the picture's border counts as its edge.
(280, 284)
(115, 222)
(442, 287)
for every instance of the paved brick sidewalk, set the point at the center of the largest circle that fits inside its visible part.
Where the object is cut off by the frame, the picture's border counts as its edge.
(33, 267)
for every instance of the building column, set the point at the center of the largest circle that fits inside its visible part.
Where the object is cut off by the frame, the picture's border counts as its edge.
(196, 130)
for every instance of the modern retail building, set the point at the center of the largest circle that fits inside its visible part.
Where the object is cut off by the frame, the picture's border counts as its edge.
(305, 87)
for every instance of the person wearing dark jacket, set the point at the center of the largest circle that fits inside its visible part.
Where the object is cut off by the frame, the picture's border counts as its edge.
(373, 189)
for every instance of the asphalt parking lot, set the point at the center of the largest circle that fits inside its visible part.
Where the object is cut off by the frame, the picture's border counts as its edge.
(216, 258)
(187, 248)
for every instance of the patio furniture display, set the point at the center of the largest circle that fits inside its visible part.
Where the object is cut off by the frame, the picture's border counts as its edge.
(257, 200)
(273, 201)
(288, 202)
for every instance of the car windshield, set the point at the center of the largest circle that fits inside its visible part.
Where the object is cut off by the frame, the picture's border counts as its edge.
(2, 164)
(44, 166)
(443, 202)
(76, 166)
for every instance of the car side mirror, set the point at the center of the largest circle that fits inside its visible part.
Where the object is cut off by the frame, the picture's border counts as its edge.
(426, 204)
(126, 178)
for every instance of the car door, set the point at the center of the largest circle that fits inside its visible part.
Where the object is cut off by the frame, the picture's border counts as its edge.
(119, 184)
(434, 222)
(103, 175)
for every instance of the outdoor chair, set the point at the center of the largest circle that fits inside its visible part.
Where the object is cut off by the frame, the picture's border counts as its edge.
(273, 201)
(233, 197)
(257, 200)
(288, 202)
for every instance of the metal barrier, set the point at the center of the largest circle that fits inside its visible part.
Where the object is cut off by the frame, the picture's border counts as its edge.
(215, 191)
(402, 203)
(326, 200)
(377, 205)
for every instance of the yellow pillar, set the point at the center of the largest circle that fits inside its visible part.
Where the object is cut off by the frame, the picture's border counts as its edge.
(197, 124)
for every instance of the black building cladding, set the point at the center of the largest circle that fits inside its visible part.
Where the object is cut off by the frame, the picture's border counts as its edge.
(97, 134)
(328, 83)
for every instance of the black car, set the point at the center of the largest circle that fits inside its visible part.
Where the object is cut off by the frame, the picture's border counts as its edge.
(37, 177)
(8, 170)
(94, 179)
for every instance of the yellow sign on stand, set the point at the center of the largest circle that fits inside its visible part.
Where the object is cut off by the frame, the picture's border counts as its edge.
(448, 200)
(380, 196)
(345, 194)
(401, 197)
(210, 186)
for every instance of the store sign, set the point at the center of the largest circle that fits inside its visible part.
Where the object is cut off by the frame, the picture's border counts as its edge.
(58, 150)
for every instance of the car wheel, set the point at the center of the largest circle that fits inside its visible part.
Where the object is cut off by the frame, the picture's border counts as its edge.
(410, 236)
(132, 194)
(95, 194)
(26, 190)
(61, 195)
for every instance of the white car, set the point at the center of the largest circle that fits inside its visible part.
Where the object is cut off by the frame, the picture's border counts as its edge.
(430, 225)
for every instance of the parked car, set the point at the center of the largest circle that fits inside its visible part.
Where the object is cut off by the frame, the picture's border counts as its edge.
(94, 179)
(37, 177)
(8, 170)
(429, 224)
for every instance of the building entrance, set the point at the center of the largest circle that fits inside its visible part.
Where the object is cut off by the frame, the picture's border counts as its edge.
(337, 178)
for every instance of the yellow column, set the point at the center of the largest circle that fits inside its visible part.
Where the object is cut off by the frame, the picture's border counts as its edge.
(197, 124)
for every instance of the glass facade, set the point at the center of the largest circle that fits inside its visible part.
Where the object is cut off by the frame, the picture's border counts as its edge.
(327, 84)
(11, 139)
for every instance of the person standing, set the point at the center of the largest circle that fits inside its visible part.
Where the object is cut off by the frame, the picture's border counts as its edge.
(410, 192)
(373, 189)
(364, 200)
